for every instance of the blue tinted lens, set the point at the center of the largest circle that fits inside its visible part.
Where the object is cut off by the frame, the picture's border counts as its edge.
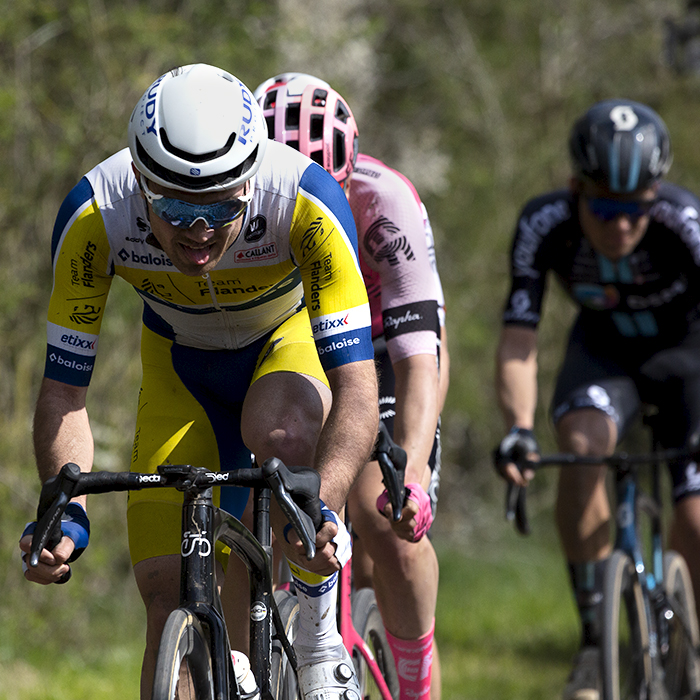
(183, 214)
(609, 209)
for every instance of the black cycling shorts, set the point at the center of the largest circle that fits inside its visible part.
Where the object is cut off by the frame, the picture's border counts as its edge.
(619, 385)
(387, 404)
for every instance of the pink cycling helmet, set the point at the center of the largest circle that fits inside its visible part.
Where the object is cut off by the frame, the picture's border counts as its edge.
(308, 114)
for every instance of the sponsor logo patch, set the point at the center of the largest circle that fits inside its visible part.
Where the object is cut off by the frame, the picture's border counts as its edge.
(409, 318)
(256, 229)
(262, 252)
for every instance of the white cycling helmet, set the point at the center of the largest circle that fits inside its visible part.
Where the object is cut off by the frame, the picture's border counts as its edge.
(197, 129)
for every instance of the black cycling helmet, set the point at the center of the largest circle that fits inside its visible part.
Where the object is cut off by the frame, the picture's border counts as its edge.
(622, 144)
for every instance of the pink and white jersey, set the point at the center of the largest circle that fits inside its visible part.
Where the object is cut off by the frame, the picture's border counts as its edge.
(396, 259)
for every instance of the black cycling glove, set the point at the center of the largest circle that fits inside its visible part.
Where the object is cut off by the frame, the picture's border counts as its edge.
(514, 448)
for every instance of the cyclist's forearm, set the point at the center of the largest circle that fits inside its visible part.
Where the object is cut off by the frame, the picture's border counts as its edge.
(417, 400)
(516, 377)
(444, 368)
(61, 429)
(349, 433)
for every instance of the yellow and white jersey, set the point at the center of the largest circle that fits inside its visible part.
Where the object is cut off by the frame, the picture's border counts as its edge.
(297, 245)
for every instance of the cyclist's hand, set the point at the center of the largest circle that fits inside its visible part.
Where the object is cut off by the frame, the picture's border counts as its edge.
(333, 545)
(53, 566)
(416, 515)
(520, 444)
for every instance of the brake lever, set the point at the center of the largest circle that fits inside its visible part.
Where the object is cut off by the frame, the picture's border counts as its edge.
(56, 494)
(392, 461)
(300, 520)
(516, 510)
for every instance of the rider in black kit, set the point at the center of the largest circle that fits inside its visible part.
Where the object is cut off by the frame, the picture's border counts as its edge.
(625, 245)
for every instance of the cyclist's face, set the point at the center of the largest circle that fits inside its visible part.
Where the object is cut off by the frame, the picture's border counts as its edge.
(614, 224)
(196, 250)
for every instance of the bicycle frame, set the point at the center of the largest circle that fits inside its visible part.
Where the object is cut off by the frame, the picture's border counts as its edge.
(351, 637)
(198, 592)
(203, 525)
(627, 539)
(631, 502)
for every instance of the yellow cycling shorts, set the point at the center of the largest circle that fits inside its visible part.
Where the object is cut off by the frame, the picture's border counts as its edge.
(189, 412)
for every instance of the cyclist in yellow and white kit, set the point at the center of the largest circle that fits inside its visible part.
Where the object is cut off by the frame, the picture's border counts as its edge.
(255, 337)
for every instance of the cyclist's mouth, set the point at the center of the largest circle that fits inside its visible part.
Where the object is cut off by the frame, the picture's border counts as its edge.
(199, 256)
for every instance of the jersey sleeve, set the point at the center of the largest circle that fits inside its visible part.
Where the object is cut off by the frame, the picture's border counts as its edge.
(81, 282)
(394, 243)
(430, 242)
(323, 240)
(528, 272)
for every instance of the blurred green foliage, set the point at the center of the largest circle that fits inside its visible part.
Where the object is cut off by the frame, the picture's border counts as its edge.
(471, 100)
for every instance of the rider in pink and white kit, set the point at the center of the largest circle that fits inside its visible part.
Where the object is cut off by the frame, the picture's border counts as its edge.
(398, 265)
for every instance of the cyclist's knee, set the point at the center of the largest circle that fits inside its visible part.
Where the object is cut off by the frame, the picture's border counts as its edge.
(587, 431)
(293, 440)
(284, 417)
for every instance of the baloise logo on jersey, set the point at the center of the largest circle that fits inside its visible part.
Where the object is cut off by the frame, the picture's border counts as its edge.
(341, 333)
(148, 260)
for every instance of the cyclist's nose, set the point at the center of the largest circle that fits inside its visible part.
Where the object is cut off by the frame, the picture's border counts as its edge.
(623, 222)
(200, 231)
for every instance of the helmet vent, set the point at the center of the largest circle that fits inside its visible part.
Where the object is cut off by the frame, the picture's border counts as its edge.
(270, 99)
(319, 98)
(192, 157)
(316, 127)
(194, 183)
(339, 155)
(342, 112)
(317, 156)
(292, 121)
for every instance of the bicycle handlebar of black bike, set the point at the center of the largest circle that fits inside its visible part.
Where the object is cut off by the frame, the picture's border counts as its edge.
(392, 461)
(296, 490)
(516, 510)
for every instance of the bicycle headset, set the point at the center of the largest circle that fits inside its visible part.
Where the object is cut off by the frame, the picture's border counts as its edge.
(622, 144)
(308, 114)
(197, 129)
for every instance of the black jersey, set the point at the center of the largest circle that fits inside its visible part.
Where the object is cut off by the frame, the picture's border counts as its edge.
(646, 300)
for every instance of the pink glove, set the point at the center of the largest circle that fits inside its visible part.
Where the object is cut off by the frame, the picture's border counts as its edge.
(424, 516)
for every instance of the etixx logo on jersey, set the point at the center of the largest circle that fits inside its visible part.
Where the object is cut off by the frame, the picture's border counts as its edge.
(261, 252)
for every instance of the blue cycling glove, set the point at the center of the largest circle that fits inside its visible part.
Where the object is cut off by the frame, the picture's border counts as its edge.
(74, 524)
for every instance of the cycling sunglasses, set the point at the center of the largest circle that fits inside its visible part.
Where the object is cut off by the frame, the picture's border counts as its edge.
(184, 214)
(608, 209)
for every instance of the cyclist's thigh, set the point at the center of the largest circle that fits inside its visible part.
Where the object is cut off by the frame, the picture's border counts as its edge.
(594, 381)
(387, 411)
(289, 392)
(188, 413)
(672, 382)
